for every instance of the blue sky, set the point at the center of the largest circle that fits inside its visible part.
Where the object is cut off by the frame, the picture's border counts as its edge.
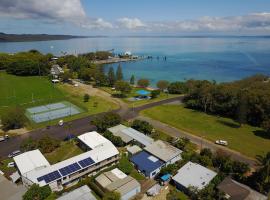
(140, 17)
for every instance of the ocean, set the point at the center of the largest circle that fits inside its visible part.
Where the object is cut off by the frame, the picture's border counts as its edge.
(221, 59)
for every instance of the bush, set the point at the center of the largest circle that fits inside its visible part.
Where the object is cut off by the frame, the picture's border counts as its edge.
(143, 83)
(86, 98)
(37, 193)
(48, 144)
(116, 140)
(29, 144)
(177, 88)
(106, 121)
(162, 85)
(155, 93)
(142, 126)
(123, 87)
(14, 118)
(112, 196)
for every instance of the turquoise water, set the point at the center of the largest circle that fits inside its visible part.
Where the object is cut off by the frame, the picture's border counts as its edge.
(217, 58)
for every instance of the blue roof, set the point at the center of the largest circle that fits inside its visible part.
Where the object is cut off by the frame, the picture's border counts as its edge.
(142, 92)
(146, 162)
(165, 177)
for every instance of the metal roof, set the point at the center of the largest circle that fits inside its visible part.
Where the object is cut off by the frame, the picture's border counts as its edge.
(138, 136)
(81, 193)
(163, 150)
(117, 131)
(30, 160)
(134, 149)
(93, 139)
(194, 175)
(146, 162)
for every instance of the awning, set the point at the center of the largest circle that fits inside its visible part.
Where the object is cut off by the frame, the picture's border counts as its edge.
(15, 176)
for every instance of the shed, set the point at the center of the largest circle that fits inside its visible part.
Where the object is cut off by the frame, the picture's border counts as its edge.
(139, 137)
(117, 131)
(81, 193)
(133, 149)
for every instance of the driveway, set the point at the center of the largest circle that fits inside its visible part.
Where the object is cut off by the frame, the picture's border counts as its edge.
(9, 190)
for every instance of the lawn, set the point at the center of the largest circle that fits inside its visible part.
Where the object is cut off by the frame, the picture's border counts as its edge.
(65, 151)
(246, 139)
(133, 93)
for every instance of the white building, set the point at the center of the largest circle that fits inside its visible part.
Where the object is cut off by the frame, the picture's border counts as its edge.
(102, 153)
(117, 181)
(193, 175)
(81, 193)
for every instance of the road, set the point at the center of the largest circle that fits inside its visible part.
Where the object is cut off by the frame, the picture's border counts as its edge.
(83, 125)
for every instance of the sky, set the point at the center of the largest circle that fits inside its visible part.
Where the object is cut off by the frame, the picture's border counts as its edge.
(140, 17)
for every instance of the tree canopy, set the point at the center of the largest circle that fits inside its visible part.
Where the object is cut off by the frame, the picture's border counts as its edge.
(143, 83)
(37, 193)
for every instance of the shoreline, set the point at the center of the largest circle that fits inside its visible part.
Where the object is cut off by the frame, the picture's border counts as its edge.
(117, 60)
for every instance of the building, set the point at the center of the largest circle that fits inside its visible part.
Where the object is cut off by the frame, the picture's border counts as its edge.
(132, 150)
(81, 193)
(56, 71)
(164, 151)
(193, 175)
(154, 157)
(147, 164)
(129, 135)
(34, 168)
(117, 181)
(236, 191)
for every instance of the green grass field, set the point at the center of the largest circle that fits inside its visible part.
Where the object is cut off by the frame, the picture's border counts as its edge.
(66, 150)
(245, 139)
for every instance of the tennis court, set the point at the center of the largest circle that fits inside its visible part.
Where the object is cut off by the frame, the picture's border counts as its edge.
(52, 111)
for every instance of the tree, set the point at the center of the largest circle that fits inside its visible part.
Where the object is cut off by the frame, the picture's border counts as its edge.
(123, 87)
(175, 195)
(112, 196)
(155, 93)
(47, 144)
(119, 73)
(169, 169)
(29, 144)
(13, 118)
(37, 193)
(116, 140)
(142, 126)
(242, 108)
(66, 76)
(86, 97)
(106, 121)
(111, 77)
(206, 152)
(124, 165)
(162, 85)
(177, 88)
(266, 126)
(143, 83)
(132, 80)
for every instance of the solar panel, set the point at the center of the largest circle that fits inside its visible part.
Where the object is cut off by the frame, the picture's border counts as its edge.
(86, 162)
(69, 169)
(50, 177)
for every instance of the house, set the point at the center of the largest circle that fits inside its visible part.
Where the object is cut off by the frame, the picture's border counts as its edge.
(236, 191)
(193, 175)
(130, 135)
(147, 164)
(117, 181)
(81, 193)
(155, 156)
(56, 71)
(164, 151)
(34, 168)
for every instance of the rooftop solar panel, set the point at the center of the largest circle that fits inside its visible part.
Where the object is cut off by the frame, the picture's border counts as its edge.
(69, 169)
(86, 162)
(50, 177)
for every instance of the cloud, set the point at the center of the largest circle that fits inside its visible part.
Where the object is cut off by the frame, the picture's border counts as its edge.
(51, 11)
(130, 23)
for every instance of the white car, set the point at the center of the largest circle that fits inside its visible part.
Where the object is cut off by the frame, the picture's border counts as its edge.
(14, 153)
(61, 122)
(11, 164)
(221, 142)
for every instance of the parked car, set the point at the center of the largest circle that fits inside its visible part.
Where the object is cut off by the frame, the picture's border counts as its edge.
(61, 122)
(11, 164)
(3, 138)
(221, 142)
(14, 153)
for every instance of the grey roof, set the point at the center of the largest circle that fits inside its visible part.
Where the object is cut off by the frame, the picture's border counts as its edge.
(56, 69)
(194, 175)
(138, 136)
(238, 191)
(82, 193)
(117, 131)
(112, 182)
(163, 150)
(134, 149)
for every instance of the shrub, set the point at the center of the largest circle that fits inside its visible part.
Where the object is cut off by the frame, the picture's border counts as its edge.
(155, 93)
(14, 118)
(48, 144)
(106, 121)
(143, 83)
(142, 126)
(86, 98)
(37, 193)
(177, 88)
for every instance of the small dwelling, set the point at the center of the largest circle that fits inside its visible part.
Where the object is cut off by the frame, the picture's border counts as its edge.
(56, 71)
(81, 193)
(117, 181)
(237, 191)
(193, 175)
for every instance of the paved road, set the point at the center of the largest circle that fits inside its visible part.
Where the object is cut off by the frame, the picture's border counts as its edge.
(83, 125)
(77, 127)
